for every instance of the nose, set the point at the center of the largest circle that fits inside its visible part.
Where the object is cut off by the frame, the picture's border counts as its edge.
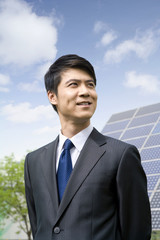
(83, 91)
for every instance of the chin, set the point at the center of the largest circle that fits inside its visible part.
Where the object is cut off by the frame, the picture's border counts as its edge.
(83, 119)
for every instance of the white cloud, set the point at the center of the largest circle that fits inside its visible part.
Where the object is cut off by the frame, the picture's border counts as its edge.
(145, 82)
(31, 87)
(47, 130)
(108, 37)
(24, 113)
(25, 38)
(143, 45)
(42, 70)
(100, 26)
(4, 82)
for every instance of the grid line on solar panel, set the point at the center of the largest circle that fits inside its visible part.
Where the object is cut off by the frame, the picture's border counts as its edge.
(155, 219)
(151, 166)
(122, 116)
(115, 126)
(148, 109)
(114, 134)
(137, 132)
(150, 153)
(155, 202)
(152, 182)
(157, 128)
(151, 118)
(153, 140)
(138, 142)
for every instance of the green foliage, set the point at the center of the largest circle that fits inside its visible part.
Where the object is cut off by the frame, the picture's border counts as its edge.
(12, 192)
(155, 235)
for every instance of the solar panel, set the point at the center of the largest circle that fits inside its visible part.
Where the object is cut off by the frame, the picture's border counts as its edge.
(157, 128)
(150, 153)
(151, 166)
(156, 219)
(148, 109)
(138, 142)
(152, 181)
(115, 126)
(122, 116)
(114, 134)
(153, 141)
(141, 127)
(137, 132)
(144, 120)
(155, 202)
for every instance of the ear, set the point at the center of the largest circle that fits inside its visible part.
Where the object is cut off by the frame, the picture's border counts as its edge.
(52, 97)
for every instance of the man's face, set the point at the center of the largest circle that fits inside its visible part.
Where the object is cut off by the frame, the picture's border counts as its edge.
(76, 98)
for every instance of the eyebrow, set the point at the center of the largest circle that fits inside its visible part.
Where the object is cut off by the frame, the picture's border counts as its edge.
(78, 80)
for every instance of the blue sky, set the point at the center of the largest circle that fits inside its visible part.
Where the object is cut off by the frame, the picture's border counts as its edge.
(120, 38)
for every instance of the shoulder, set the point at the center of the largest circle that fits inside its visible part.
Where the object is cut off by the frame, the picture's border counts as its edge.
(111, 141)
(39, 151)
(114, 146)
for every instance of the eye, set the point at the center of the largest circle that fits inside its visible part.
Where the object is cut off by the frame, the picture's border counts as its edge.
(72, 84)
(91, 84)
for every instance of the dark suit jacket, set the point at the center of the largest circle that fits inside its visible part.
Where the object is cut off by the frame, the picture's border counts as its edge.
(105, 199)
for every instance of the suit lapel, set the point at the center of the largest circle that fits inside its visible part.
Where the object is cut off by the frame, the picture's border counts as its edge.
(48, 163)
(92, 151)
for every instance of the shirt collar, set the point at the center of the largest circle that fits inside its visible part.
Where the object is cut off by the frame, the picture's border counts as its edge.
(78, 140)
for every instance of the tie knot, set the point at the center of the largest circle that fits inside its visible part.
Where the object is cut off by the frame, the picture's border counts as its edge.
(68, 144)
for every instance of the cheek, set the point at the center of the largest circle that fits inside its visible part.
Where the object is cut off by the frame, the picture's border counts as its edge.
(95, 96)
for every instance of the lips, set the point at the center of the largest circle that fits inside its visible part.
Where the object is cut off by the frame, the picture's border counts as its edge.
(84, 103)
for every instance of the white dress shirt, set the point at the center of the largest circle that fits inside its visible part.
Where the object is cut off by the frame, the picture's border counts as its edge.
(78, 140)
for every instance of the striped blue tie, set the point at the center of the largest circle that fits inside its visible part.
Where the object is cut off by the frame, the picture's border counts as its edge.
(64, 168)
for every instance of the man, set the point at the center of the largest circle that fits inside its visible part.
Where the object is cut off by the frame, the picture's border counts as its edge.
(105, 197)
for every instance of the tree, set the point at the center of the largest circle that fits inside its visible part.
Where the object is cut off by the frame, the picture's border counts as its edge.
(155, 235)
(12, 194)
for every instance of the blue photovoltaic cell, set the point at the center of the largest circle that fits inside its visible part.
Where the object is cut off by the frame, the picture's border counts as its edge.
(138, 142)
(149, 109)
(158, 188)
(149, 194)
(155, 219)
(114, 134)
(155, 202)
(137, 132)
(153, 141)
(151, 167)
(150, 153)
(115, 126)
(152, 181)
(122, 116)
(144, 120)
(156, 129)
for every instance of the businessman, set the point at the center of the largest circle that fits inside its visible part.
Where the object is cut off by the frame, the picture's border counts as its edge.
(84, 185)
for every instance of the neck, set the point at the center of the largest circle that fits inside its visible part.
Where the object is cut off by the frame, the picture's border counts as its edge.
(69, 130)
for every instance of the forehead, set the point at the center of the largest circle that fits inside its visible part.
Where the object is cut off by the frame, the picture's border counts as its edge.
(78, 74)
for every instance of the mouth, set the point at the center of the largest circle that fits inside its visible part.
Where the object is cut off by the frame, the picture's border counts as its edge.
(86, 103)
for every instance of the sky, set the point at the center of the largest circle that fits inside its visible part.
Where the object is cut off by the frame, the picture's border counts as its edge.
(120, 38)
